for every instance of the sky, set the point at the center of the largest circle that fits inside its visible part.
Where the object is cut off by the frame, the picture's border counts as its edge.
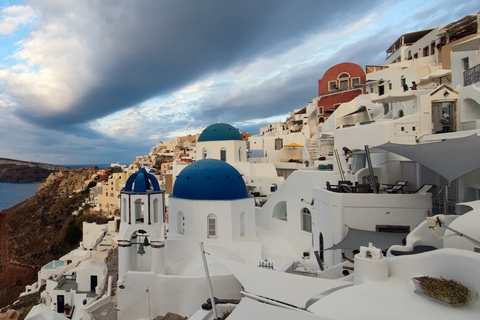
(96, 82)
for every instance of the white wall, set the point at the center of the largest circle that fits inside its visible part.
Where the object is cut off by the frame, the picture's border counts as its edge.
(92, 234)
(299, 185)
(146, 296)
(213, 148)
(335, 211)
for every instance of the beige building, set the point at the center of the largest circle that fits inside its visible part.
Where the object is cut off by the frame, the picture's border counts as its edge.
(109, 199)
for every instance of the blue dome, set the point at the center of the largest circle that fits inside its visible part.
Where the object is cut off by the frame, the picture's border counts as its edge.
(140, 182)
(210, 179)
(219, 131)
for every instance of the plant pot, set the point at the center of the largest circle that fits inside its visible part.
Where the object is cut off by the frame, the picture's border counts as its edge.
(67, 309)
(443, 285)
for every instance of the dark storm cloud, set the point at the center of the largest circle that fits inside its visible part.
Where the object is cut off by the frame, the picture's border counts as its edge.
(135, 50)
(280, 95)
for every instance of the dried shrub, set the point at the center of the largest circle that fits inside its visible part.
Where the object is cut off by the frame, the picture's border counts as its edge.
(448, 290)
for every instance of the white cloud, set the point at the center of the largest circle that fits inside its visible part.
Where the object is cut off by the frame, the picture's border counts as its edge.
(11, 18)
(55, 71)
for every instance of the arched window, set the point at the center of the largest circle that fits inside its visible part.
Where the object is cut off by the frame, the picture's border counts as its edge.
(280, 211)
(156, 210)
(223, 154)
(180, 223)
(124, 210)
(306, 220)
(321, 246)
(240, 154)
(138, 211)
(243, 224)
(212, 226)
(344, 80)
(204, 153)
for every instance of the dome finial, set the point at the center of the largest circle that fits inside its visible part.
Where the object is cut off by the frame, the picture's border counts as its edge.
(219, 121)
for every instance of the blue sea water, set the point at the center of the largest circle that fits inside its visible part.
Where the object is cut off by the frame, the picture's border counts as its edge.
(100, 165)
(13, 193)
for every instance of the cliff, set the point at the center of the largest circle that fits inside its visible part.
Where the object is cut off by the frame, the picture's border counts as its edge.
(33, 232)
(23, 171)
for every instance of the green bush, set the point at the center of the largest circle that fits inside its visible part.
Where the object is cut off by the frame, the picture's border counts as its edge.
(72, 234)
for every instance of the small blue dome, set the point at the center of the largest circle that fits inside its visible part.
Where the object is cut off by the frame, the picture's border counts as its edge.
(219, 131)
(210, 179)
(140, 182)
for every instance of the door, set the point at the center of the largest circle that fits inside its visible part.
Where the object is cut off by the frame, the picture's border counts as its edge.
(60, 304)
(93, 283)
(278, 144)
(381, 90)
(444, 116)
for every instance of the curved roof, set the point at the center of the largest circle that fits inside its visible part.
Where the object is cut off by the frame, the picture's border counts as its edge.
(140, 182)
(210, 179)
(219, 131)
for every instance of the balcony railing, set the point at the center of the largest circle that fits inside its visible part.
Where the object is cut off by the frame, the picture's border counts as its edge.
(471, 75)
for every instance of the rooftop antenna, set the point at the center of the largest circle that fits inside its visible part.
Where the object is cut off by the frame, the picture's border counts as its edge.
(207, 274)
(432, 223)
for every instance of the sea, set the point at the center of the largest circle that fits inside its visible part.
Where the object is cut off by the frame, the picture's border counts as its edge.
(14, 193)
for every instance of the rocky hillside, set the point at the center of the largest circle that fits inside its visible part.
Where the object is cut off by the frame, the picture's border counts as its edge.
(23, 171)
(33, 232)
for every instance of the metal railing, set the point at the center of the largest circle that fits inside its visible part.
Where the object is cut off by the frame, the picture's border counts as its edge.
(471, 75)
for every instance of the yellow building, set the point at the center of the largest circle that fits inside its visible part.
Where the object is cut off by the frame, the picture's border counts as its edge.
(109, 200)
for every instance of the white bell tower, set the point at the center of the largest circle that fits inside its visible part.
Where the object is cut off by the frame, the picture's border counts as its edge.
(142, 226)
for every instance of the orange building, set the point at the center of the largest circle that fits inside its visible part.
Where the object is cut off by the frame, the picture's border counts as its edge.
(341, 83)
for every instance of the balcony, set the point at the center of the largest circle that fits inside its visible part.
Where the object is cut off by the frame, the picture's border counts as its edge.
(471, 75)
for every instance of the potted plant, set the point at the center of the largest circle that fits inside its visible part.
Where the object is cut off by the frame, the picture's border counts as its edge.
(67, 309)
(450, 292)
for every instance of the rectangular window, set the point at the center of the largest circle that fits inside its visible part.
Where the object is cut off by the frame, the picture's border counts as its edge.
(343, 84)
(392, 229)
(332, 85)
(306, 220)
(466, 64)
(425, 52)
(355, 82)
(212, 229)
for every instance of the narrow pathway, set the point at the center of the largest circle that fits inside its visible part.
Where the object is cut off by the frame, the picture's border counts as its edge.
(109, 311)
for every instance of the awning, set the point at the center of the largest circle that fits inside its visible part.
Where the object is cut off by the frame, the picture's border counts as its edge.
(451, 158)
(474, 205)
(437, 74)
(293, 145)
(356, 238)
(359, 110)
(279, 285)
(395, 96)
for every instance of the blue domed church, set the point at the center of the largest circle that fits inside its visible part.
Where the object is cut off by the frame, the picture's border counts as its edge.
(158, 273)
(223, 142)
(210, 203)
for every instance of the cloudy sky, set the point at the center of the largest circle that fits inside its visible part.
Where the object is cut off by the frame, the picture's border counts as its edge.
(91, 82)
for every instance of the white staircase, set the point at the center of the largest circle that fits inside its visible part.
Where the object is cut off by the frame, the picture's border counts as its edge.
(312, 148)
